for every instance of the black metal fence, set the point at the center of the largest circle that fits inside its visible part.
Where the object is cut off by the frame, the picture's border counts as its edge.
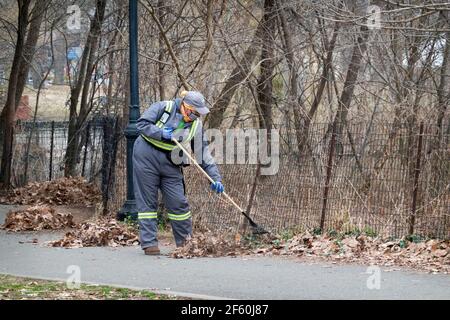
(47, 151)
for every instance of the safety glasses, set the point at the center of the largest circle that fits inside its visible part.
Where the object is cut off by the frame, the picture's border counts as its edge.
(189, 109)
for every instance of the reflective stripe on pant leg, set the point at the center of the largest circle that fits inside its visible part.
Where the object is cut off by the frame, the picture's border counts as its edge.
(181, 227)
(147, 215)
(179, 217)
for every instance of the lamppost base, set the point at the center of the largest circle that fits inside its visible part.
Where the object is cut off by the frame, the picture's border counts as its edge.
(128, 211)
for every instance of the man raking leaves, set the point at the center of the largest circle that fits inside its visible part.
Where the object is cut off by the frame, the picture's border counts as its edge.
(163, 128)
(154, 168)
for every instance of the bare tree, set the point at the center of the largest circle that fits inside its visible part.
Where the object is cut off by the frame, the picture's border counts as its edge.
(264, 86)
(82, 86)
(8, 113)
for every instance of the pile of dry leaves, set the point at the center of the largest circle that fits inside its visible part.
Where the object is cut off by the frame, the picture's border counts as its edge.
(57, 192)
(431, 255)
(102, 232)
(209, 244)
(37, 218)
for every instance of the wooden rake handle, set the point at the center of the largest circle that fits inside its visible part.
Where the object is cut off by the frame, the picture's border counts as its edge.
(204, 172)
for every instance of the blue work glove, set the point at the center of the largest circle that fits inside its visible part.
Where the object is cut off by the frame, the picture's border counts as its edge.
(167, 133)
(179, 135)
(217, 187)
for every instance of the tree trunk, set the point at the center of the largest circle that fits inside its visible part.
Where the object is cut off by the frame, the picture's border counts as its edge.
(30, 47)
(294, 102)
(263, 89)
(327, 63)
(345, 100)
(111, 136)
(82, 86)
(443, 91)
(264, 86)
(9, 111)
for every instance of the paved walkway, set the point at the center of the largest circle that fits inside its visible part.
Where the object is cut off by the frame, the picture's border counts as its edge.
(233, 278)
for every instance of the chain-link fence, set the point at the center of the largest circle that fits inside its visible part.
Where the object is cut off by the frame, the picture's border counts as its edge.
(373, 179)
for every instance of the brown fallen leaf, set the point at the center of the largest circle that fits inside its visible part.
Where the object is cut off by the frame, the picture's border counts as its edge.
(440, 253)
(351, 242)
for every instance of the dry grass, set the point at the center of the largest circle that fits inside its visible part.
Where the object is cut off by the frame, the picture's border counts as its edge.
(52, 102)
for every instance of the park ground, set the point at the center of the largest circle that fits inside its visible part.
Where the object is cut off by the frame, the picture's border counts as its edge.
(24, 256)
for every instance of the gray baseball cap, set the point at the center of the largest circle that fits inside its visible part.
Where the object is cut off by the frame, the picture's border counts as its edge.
(196, 100)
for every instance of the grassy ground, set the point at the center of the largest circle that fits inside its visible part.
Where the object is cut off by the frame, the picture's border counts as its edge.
(51, 102)
(14, 288)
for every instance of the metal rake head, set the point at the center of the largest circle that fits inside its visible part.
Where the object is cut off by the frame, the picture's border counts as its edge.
(259, 230)
(256, 229)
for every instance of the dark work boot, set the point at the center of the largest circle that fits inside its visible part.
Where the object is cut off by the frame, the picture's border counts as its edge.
(152, 251)
(181, 244)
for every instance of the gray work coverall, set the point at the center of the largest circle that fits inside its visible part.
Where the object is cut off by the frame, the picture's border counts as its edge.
(153, 169)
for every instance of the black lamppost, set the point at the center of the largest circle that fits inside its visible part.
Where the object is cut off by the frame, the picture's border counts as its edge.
(129, 207)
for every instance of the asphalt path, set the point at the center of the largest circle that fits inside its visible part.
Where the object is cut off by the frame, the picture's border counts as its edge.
(249, 277)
